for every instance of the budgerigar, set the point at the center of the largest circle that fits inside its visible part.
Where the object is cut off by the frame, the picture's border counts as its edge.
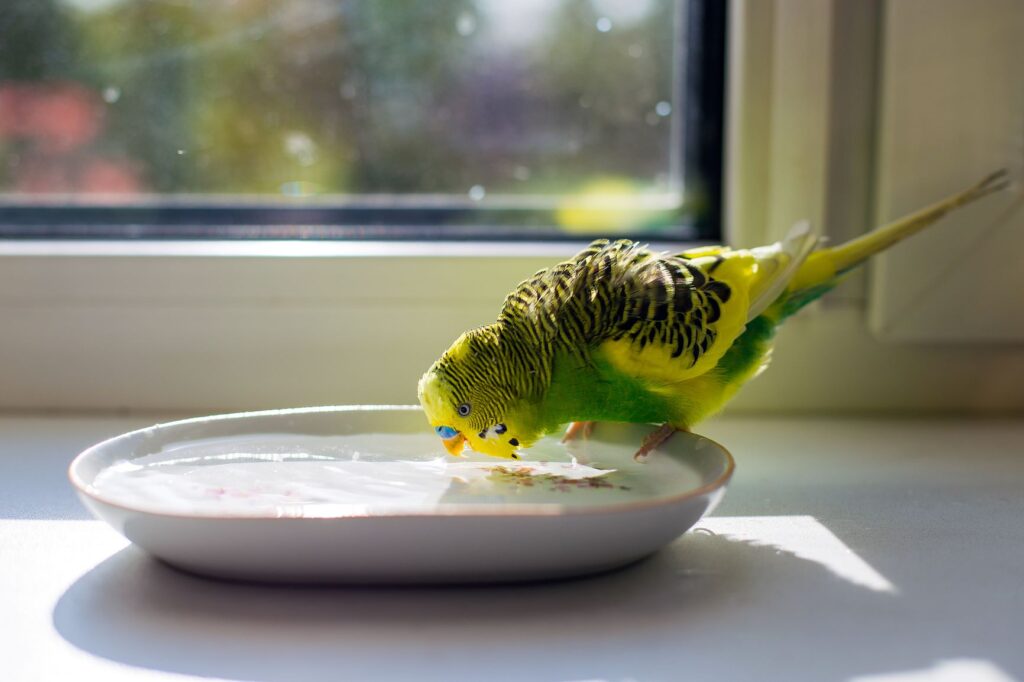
(619, 333)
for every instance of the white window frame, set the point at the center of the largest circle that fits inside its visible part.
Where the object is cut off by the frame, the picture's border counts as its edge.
(951, 110)
(201, 327)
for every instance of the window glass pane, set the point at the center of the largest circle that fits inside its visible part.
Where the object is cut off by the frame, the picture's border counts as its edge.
(569, 115)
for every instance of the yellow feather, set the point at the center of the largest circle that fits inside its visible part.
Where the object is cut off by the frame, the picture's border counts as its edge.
(824, 265)
(654, 362)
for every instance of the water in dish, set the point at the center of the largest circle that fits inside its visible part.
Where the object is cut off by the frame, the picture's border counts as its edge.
(308, 476)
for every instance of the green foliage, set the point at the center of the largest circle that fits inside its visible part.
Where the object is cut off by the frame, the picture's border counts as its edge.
(261, 97)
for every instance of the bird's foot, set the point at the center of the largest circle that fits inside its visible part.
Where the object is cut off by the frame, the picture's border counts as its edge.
(577, 428)
(655, 439)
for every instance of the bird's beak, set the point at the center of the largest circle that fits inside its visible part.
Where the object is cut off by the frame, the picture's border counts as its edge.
(454, 444)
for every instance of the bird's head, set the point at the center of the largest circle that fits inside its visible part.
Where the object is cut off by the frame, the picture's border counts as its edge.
(472, 396)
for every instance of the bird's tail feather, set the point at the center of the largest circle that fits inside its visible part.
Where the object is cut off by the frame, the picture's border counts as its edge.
(856, 251)
(823, 268)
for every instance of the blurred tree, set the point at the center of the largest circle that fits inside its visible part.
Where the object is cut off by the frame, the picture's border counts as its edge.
(260, 97)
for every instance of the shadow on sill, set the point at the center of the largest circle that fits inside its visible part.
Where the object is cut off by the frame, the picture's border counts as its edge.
(706, 608)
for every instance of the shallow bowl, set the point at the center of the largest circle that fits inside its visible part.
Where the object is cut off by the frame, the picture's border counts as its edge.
(366, 494)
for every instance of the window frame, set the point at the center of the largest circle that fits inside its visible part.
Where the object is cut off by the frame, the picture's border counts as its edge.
(959, 284)
(221, 326)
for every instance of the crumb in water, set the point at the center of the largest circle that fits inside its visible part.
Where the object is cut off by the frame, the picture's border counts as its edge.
(525, 477)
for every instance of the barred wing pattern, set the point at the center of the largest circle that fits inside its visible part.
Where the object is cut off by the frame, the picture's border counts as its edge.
(619, 291)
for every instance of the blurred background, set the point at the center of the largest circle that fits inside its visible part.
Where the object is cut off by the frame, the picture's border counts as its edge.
(564, 114)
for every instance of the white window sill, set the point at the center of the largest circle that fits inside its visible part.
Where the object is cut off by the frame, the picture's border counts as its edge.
(204, 327)
(931, 508)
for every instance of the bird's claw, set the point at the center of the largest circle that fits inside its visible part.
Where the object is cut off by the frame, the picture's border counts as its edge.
(577, 428)
(653, 440)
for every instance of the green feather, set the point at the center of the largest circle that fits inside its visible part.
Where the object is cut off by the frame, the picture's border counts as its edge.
(748, 352)
(597, 392)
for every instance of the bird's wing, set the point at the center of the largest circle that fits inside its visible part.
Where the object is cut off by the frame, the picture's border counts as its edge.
(776, 266)
(659, 317)
(683, 316)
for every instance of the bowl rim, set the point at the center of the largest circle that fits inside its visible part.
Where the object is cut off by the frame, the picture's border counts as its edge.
(439, 511)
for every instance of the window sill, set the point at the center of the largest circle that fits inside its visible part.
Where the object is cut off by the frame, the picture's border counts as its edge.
(897, 496)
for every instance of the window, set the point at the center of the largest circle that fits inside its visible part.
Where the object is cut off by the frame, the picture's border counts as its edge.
(480, 119)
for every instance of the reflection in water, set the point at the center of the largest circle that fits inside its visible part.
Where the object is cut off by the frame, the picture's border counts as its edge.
(309, 486)
(289, 475)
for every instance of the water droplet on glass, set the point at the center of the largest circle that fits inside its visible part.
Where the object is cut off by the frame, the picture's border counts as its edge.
(635, 51)
(477, 192)
(604, 24)
(465, 24)
(181, 152)
(628, 13)
(300, 147)
(521, 173)
(663, 108)
(111, 94)
(585, 102)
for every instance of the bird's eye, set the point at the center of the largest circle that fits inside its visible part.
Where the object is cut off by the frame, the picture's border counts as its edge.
(464, 410)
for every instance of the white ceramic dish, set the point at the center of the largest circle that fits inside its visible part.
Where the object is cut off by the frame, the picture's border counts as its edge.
(367, 494)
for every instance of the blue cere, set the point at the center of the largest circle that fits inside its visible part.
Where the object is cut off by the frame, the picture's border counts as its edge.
(445, 432)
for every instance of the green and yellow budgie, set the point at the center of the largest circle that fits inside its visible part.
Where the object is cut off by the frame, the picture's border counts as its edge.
(619, 333)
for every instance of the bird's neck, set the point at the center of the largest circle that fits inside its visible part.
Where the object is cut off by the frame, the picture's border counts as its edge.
(522, 359)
